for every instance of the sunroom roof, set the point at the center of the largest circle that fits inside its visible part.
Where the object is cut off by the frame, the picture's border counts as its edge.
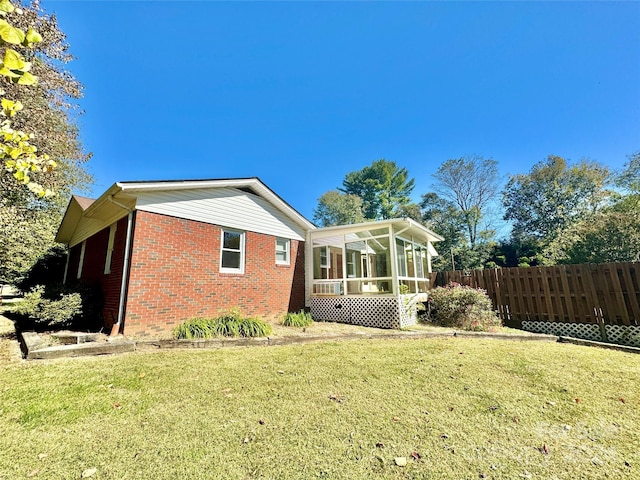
(405, 226)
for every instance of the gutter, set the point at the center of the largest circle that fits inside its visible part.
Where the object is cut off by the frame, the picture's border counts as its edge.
(117, 327)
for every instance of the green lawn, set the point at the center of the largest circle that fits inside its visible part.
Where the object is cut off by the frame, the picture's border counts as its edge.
(452, 407)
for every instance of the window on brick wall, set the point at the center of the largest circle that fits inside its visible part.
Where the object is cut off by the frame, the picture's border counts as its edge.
(81, 261)
(112, 236)
(282, 251)
(232, 252)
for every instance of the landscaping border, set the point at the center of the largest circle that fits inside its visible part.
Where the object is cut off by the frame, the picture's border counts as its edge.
(32, 344)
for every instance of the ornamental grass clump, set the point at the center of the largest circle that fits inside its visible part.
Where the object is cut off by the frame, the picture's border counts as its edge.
(462, 307)
(230, 324)
(297, 319)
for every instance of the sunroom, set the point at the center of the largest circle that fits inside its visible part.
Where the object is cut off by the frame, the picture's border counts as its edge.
(370, 274)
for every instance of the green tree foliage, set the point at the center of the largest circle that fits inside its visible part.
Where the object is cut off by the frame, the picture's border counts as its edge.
(611, 234)
(48, 109)
(335, 208)
(383, 187)
(629, 178)
(552, 197)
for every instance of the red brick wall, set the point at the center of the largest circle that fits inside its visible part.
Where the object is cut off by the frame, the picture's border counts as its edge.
(175, 275)
(93, 268)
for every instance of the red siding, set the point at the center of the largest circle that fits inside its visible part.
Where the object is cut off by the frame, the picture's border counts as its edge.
(175, 275)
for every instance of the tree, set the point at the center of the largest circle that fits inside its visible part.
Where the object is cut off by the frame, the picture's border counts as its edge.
(16, 149)
(553, 196)
(629, 178)
(383, 187)
(442, 217)
(28, 222)
(470, 183)
(612, 234)
(335, 208)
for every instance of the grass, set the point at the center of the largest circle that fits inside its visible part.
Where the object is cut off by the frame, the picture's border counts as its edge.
(232, 325)
(453, 407)
(297, 319)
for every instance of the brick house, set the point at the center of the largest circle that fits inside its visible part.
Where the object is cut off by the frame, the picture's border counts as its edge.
(162, 252)
(165, 251)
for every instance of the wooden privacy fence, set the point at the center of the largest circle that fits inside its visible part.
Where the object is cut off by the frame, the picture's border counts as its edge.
(607, 295)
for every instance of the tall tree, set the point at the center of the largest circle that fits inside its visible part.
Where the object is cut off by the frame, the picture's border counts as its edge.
(470, 183)
(49, 111)
(553, 196)
(382, 186)
(335, 208)
(446, 219)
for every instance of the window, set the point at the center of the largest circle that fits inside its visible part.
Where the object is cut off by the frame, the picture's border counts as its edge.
(81, 261)
(282, 251)
(112, 236)
(232, 252)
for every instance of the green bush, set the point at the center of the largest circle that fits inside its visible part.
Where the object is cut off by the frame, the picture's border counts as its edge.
(52, 311)
(231, 324)
(462, 307)
(298, 319)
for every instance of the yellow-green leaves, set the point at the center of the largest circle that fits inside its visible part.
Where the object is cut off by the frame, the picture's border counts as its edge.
(6, 7)
(17, 153)
(9, 107)
(32, 37)
(11, 34)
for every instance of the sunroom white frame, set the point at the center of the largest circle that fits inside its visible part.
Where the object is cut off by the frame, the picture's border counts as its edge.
(337, 272)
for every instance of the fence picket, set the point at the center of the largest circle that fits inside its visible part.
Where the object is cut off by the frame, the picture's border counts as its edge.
(603, 294)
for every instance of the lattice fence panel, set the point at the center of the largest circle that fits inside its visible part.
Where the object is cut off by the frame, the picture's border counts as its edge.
(624, 334)
(375, 312)
(330, 309)
(408, 311)
(587, 331)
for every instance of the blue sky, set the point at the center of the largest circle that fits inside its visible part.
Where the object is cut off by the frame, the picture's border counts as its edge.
(301, 93)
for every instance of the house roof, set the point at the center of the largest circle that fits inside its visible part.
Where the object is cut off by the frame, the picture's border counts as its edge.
(404, 224)
(121, 198)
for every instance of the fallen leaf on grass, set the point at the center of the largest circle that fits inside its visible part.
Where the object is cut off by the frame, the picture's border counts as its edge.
(42, 456)
(396, 419)
(401, 461)
(577, 400)
(416, 456)
(33, 473)
(117, 406)
(336, 398)
(89, 472)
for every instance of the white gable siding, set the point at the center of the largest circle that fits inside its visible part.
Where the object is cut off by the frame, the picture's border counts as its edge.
(227, 207)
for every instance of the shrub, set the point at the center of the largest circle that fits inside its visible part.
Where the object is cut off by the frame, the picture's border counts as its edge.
(462, 307)
(298, 319)
(230, 324)
(52, 311)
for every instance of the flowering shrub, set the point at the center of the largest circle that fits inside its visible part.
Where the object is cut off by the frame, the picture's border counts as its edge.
(462, 307)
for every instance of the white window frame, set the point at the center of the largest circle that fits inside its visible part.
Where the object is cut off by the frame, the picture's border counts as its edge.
(81, 261)
(287, 251)
(240, 251)
(112, 237)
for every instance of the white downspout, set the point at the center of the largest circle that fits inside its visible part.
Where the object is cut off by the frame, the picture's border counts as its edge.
(115, 330)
